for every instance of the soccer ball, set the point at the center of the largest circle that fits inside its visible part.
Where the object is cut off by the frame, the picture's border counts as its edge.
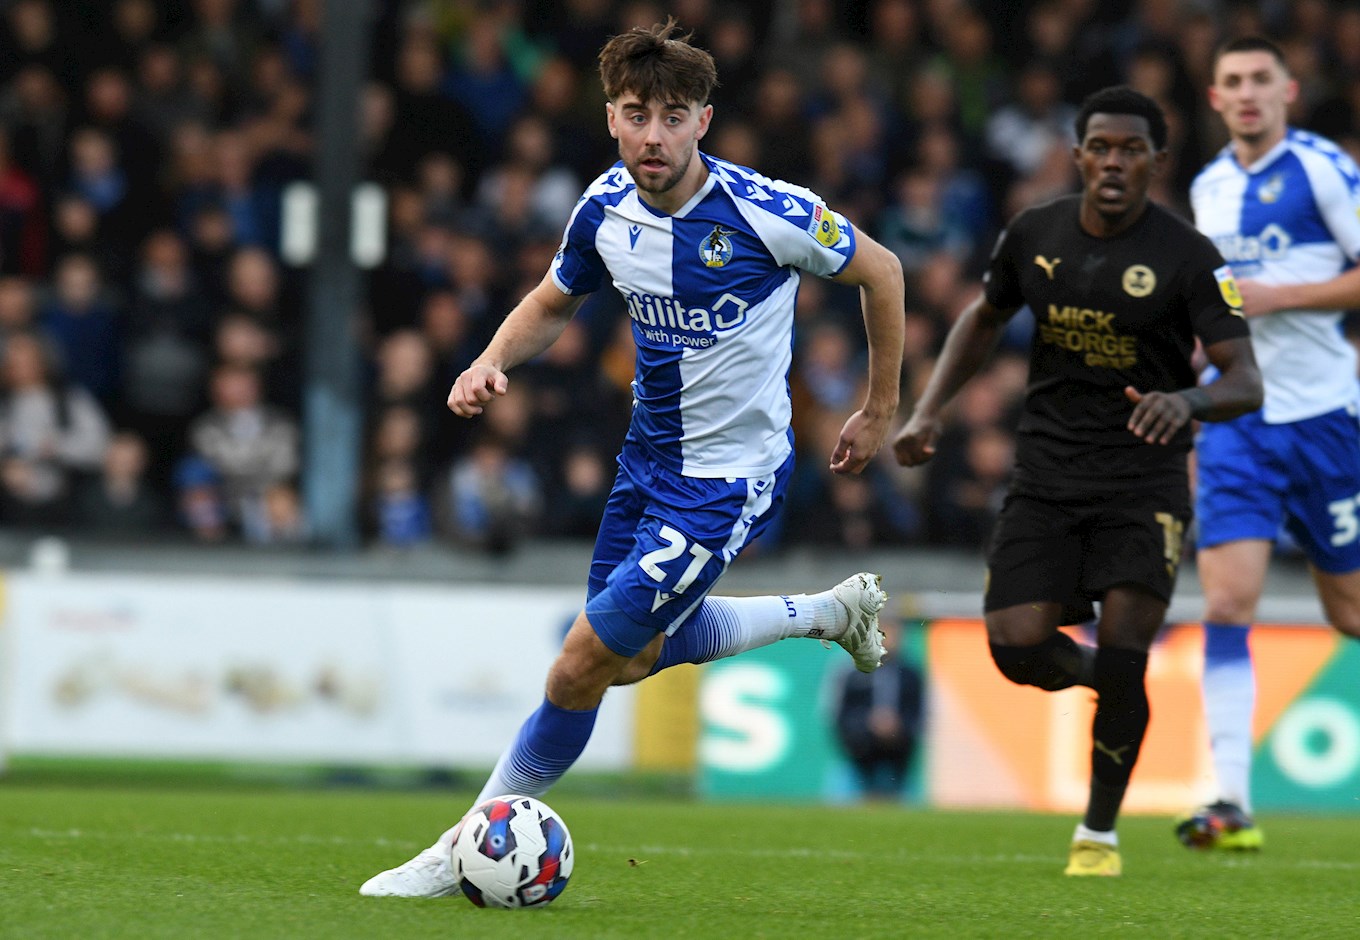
(512, 851)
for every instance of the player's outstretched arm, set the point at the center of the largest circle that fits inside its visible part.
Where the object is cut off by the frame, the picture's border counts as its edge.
(1157, 416)
(1339, 293)
(527, 330)
(878, 274)
(969, 344)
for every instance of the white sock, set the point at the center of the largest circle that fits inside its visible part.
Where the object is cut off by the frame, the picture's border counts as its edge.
(1229, 685)
(820, 615)
(761, 621)
(495, 785)
(726, 626)
(1095, 835)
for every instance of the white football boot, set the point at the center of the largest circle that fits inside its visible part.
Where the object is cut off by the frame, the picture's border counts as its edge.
(428, 875)
(863, 597)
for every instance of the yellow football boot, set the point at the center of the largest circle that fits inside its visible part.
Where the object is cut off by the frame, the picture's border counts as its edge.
(1093, 858)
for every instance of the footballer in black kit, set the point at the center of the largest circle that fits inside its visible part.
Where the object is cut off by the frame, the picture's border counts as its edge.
(1109, 313)
(1120, 289)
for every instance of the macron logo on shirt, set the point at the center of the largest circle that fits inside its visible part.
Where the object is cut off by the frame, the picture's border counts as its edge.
(633, 232)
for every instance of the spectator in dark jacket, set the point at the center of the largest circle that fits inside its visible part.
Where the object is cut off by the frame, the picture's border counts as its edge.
(879, 718)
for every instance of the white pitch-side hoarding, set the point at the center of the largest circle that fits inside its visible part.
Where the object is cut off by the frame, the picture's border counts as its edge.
(209, 668)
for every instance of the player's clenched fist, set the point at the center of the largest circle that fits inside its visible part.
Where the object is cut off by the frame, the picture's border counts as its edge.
(915, 443)
(474, 388)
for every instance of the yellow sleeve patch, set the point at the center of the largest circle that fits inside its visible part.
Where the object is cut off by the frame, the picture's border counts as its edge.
(823, 226)
(1227, 287)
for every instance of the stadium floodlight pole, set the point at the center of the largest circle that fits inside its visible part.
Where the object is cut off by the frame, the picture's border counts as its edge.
(332, 410)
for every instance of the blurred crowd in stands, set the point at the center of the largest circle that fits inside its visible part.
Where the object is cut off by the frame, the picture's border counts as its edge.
(151, 353)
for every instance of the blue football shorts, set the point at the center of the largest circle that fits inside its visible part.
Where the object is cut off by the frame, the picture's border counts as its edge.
(664, 541)
(1305, 475)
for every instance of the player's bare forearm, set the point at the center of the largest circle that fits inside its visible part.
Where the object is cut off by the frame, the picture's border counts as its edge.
(531, 327)
(968, 346)
(1157, 416)
(882, 298)
(878, 273)
(1239, 388)
(1339, 293)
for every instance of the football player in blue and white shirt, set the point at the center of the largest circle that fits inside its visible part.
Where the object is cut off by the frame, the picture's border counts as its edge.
(1282, 206)
(708, 257)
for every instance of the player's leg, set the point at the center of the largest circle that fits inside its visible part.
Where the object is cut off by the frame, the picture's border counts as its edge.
(1323, 511)
(1340, 596)
(1231, 576)
(547, 745)
(1030, 574)
(1129, 620)
(552, 737)
(1307, 472)
(1131, 553)
(725, 626)
(664, 541)
(1244, 469)
(597, 650)
(703, 525)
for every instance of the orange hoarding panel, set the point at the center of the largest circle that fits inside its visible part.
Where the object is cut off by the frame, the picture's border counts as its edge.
(1287, 661)
(994, 743)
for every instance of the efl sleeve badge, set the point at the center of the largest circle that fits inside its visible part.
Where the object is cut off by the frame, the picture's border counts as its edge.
(822, 226)
(1227, 286)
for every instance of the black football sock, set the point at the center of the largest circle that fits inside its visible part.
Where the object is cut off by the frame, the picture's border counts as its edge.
(1102, 806)
(1077, 660)
(1117, 732)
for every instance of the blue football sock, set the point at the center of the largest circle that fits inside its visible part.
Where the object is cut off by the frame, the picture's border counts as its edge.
(702, 638)
(547, 745)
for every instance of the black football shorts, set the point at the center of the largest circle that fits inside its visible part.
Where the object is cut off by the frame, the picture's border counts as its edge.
(1073, 551)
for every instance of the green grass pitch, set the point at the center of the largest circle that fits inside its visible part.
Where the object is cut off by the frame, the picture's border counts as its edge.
(193, 862)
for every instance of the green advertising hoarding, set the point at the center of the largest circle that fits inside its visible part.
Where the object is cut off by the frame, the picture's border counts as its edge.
(767, 726)
(1310, 756)
(767, 720)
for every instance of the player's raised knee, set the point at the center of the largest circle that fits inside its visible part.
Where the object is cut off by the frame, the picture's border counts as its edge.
(1041, 666)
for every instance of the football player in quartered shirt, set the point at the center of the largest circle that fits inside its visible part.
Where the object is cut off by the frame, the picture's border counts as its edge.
(708, 257)
(1120, 289)
(1281, 205)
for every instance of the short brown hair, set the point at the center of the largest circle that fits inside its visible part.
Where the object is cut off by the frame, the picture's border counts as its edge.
(651, 62)
(1251, 44)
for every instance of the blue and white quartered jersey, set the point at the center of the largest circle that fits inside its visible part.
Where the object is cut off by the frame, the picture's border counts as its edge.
(1293, 217)
(711, 292)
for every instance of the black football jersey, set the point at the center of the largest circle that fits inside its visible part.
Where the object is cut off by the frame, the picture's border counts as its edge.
(1109, 312)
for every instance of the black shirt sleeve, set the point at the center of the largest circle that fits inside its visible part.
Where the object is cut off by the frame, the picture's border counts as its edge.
(1001, 283)
(1212, 299)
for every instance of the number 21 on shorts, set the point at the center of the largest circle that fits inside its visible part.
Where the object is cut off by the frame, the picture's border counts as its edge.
(677, 545)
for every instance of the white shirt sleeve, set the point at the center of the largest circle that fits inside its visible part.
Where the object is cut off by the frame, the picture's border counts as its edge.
(1336, 187)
